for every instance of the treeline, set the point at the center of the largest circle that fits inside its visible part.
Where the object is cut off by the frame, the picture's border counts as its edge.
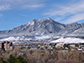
(12, 59)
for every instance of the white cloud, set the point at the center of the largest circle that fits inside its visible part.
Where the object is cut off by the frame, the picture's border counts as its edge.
(65, 10)
(75, 18)
(19, 4)
(33, 6)
(4, 7)
(24, 15)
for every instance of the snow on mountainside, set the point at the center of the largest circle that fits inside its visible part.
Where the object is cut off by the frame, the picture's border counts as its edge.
(70, 28)
(12, 38)
(69, 40)
(36, 27)
(43, 30)
(82, 24)
(79, 32)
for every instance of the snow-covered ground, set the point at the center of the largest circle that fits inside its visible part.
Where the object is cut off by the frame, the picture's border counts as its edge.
(12, 38)
(69, 40)
(44, 38)
(41, 37)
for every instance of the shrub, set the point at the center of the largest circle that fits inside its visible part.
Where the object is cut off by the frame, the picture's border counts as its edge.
(2, 61)
(11, 59)
(19, 59)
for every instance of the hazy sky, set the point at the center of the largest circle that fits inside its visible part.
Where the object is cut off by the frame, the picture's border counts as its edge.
(14, 13)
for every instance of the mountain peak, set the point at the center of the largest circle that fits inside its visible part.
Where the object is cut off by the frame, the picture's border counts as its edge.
(37, 27)
(48, 18)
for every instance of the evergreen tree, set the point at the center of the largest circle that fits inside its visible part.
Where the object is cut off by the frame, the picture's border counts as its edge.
(11, 59)
(19, 59)
(2, 61)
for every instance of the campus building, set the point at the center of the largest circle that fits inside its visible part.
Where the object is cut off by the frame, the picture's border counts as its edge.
(6, 45)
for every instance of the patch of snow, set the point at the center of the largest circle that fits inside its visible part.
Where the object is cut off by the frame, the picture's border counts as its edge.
(41, 37)
(9, 38)
(15, 38)
(69, 40)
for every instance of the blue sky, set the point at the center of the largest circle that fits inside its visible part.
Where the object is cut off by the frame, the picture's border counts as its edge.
(14, 13)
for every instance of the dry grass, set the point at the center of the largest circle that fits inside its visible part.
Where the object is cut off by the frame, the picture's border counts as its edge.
(46, 56)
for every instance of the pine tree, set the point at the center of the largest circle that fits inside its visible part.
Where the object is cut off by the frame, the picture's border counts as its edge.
(11, 59)
(2, 61)
(19, 59)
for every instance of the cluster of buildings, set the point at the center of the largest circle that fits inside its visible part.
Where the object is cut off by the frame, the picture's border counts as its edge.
(68, 45)
(6, 45)
(58, 46)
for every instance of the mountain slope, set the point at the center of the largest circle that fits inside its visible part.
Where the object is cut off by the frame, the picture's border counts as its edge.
(79, 32)
(36, 27)
(70, 28)
(45, 26)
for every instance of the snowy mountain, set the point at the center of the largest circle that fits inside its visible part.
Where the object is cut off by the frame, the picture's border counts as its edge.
(82, 24)
(79, 32)
(36, 27)
(45, 27)
(69, 29)
(42, 30)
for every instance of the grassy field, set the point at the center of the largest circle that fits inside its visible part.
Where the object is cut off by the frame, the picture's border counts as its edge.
(44, 55)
